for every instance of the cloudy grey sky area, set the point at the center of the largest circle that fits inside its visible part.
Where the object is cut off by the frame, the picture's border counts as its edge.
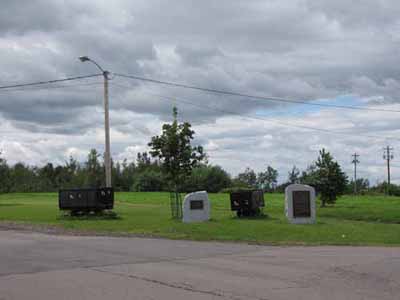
(334, 52)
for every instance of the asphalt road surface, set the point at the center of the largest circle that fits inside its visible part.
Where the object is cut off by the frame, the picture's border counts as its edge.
(39, 266)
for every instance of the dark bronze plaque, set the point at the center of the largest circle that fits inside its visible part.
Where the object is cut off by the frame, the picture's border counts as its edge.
(196, 204)
(301, 204)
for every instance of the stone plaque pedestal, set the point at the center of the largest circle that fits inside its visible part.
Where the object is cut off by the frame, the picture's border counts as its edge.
(300, 204)
(196, 207)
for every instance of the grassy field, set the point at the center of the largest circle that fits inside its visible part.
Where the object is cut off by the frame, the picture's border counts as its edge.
(358, 220)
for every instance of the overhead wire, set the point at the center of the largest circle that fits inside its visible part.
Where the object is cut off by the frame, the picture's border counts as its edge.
(48, 81)
(40, 88)
(267, 98)
(202, 106)
(209, 90)
(40, 83)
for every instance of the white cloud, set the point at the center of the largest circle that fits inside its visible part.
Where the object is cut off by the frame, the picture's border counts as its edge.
(297, 49)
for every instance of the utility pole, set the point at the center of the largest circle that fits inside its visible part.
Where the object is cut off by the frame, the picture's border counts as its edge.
(355, 161)
(107, 154)
(388, 156)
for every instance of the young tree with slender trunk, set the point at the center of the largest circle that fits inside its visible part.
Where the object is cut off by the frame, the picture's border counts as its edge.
(174, 150)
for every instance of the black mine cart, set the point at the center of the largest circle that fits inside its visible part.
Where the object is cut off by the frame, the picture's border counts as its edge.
(247, 203)
(86, 200)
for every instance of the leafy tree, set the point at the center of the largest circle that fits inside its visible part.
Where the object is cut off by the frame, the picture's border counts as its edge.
(209, 178)
(383, 187)
(73, 174)
(217, 179)
(267, 180)
(127, 175)
(280, 188)
(48, 177)
(174, 150)
(149, 181)
(247, 178)
(116, 175)
(309, 176)
(94, 170)
(24, 178)
(294, 175)
(331, 181)
(143, 160)
(4, 175)
(362, 185)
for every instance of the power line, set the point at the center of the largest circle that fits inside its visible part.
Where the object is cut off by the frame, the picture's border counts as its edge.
(230, 93)
(388, 156)
(180, 99)
(223, 92)
(39, 88)
(355, 161)
(4, 88)
(48, 81)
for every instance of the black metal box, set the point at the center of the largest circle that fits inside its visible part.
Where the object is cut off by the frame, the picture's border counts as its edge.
(86, 199)
(247, 202)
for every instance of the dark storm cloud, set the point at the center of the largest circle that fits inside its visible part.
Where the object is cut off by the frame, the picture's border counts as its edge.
(49, 107)
(19, 17)
(297, 49)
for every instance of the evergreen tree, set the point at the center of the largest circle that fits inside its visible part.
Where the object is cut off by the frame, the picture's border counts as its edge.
(309, 176)
(331, 180)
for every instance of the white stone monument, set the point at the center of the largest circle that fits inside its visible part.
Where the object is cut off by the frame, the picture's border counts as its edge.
(196, 207)
(300, 204)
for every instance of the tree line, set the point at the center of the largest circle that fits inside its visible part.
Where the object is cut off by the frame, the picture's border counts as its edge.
(144, 174)
(173, 164)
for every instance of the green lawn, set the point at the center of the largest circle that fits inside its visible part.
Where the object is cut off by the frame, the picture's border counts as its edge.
(358, 220)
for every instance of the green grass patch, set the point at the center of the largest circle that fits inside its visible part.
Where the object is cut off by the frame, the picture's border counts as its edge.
(360, 220)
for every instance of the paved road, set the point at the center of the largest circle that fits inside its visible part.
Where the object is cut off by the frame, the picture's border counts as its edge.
(38, 266)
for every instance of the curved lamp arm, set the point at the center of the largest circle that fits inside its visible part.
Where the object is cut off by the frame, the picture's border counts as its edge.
(86, 58)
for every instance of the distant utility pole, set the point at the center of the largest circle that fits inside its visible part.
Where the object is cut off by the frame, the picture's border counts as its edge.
(388, 155)
(355, 161)
(107, 154)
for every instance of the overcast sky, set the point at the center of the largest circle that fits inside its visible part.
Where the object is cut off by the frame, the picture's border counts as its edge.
(334, 52)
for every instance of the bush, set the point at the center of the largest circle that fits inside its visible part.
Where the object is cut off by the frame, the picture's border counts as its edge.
(149, 181)
(209, 178)
(235, 189)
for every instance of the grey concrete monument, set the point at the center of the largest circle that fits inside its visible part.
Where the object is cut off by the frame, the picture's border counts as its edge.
(196, 207)
(300, 204)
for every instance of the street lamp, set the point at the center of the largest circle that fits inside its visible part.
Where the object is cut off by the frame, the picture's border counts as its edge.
(107, 158)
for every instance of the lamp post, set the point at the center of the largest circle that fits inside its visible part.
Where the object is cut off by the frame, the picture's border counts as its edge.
(107, 156)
